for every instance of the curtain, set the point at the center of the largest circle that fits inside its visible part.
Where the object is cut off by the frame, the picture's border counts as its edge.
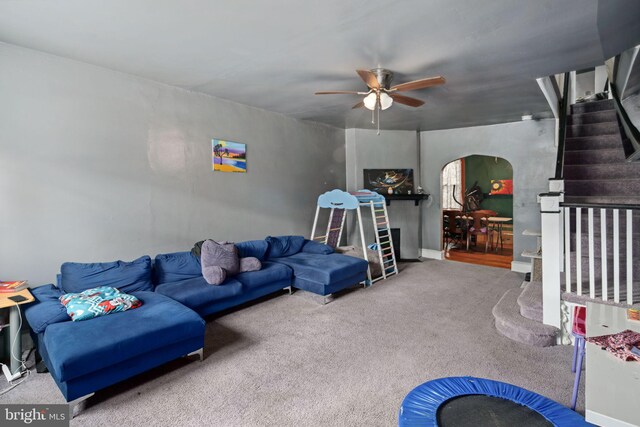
(452, 176)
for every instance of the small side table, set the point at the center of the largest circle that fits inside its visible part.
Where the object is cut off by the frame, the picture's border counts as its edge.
(14, 322)
(499, 221)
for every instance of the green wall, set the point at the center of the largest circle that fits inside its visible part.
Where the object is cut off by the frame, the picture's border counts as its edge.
(483, 169)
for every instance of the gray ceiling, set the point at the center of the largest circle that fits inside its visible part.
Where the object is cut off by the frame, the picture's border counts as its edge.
(276, 54)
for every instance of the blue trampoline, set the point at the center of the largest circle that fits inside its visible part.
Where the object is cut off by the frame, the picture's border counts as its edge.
(481, 402)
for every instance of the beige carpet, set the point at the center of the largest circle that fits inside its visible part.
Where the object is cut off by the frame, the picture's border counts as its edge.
(288, 361)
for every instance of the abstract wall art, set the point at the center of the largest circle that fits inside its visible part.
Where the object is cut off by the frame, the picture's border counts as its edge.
(389, 181)
(501, 186)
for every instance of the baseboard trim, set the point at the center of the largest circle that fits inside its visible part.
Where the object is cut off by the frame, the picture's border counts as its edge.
(604, 420)
(521, 266)
(432, 254)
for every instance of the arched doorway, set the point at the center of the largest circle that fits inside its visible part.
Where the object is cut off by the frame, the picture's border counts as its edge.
(477, 210)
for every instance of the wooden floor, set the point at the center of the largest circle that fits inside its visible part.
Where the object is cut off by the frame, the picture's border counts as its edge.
(501, 258)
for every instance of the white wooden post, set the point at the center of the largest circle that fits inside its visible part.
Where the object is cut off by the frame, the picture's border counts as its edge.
(552, 239)
(557, 186)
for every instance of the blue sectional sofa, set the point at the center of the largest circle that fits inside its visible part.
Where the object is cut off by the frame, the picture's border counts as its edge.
(178, 276)
(326, 274)
(86, 356)
(297, 262)
(89, 355)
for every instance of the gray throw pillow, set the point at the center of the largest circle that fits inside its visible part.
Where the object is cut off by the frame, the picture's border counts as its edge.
(224, 256)
(250, 264)
(214, 275)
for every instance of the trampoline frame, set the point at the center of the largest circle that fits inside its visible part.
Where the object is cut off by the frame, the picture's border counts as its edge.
(420, 406)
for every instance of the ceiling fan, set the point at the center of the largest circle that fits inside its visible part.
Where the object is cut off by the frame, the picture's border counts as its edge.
(381, 95)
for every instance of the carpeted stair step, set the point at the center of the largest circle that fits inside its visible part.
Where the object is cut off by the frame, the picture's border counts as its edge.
(602, 116)
(593, 129)
(602, 187)
(613, 200)
(589, 107)
(597, 242)
(573, 296)
(584, 220)
(597, 267)
(594, 142)
(602, 171)
(510, 323)
(584, 157)
(530, 301)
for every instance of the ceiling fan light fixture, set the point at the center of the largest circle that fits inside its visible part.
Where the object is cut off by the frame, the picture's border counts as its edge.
(385, 101)
(370, 101)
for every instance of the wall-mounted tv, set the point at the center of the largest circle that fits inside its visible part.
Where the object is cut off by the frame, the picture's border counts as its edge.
(389, 181)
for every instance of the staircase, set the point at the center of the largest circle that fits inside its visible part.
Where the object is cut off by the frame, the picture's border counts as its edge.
(595, 172)
(518, 315)
(595, 169)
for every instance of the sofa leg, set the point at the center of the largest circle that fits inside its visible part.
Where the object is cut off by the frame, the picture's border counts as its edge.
(199, 353)
(41, 368)
(325, 299)
(290, 289)
(76, 406)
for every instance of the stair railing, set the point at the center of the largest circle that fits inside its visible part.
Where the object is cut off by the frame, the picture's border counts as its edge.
(607, 274)
(563, 109)
(622, 67)
(552, 221)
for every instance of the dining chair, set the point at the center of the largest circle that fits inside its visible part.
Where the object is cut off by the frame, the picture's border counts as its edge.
(453, 233)
(579, 333)
(478, 224)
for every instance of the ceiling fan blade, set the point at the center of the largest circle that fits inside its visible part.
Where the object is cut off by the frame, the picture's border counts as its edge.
(339, 92)
(369, 78)
(358, 105)
(406, 100)
(419, 84)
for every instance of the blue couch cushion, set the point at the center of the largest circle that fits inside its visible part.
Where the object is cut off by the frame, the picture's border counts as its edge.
(269, 273)
(323, 269)
(196, 292)
(126, 276)
(282, 246)
(253, 248)
(46, 309)
(79, 348)
(312, 247)
(176, 266)
(334, 286)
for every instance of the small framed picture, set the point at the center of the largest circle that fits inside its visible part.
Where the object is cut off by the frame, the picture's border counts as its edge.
(228, 156)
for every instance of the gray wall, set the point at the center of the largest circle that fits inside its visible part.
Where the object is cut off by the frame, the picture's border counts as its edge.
(390, 149)
(528, 146)
(632, 106)
(585, 84)
(98, 165)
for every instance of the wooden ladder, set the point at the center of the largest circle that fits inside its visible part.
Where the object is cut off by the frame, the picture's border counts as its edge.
(384, 242)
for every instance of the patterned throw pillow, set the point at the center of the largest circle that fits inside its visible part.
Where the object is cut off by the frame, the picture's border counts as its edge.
(97, 302)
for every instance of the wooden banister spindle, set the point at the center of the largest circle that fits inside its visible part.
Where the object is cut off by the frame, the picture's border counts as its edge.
(616, 255)
(592, 274)
(629, 256)
(603, 252)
